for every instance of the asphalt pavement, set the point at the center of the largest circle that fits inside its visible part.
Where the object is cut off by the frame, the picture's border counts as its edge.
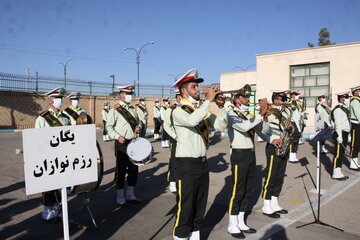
(153, 218)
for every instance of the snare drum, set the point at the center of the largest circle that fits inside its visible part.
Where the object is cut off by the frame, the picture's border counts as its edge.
(92, 186)
(140, 151)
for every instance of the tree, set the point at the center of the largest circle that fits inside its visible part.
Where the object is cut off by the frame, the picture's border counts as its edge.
(324, 38)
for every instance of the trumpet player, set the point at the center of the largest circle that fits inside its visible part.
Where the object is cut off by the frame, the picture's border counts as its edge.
(241, 129)
(277, 129)
(340, 116)
(295, 120)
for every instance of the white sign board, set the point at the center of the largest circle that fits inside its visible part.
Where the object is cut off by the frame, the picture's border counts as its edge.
(58, 157)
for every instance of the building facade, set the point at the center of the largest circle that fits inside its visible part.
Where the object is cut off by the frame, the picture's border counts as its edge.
(312, 71)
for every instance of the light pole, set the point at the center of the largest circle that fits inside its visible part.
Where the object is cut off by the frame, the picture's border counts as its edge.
(65, 65)
(174, 76)
(113, 85)
(138, 52)
(244, 69)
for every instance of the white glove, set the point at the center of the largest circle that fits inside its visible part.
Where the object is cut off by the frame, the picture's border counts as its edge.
(339, 139)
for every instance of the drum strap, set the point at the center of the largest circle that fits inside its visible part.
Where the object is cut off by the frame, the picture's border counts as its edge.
(128, 117)
(72, 113)
(201, 128)
(50, 119)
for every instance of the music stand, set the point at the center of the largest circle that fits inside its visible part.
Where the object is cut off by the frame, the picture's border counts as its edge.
(323, 134)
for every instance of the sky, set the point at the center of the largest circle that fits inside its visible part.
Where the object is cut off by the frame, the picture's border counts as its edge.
(211, 36)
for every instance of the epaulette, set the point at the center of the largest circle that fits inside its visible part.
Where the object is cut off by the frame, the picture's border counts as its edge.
(116, 105)
(42, 114)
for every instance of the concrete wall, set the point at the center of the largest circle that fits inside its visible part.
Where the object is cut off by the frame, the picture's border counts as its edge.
(19, 110)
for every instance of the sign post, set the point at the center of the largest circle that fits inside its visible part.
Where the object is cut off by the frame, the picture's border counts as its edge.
(57, 158)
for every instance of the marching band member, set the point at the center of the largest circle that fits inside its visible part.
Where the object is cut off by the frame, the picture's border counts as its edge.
(104, 114)
(74, 111)
(340, 116)
(276, 122)
(53, 117)
(164, 135)
(191, 127)
(157, 119)
(355, 127)
(295, 120)
(323, 109)
(241, 130)
(303, 117)
(123, 125)
(172, 135)
(143, 115)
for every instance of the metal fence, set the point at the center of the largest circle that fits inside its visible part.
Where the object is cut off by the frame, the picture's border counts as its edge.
(37, 83)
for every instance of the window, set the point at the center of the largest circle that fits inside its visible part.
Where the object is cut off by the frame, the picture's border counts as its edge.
(311, 80)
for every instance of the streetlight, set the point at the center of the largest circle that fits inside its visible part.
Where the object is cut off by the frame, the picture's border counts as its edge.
(65, 64)
(113, 85)
(174, 76)
(138, 51)
(244, 69)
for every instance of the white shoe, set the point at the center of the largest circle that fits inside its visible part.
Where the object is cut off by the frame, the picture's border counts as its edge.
(233, 224)
(354, 164)
(172, 187)
(337, 174)
(49, 213)
(177, 238)
(241, 221)
(274, 203)
(293, 158)
(323, 149)
(167, 143)
(107, 138)
(195, 235)
(163, 144)
(120, 199)
(130, 196)
(104, 138)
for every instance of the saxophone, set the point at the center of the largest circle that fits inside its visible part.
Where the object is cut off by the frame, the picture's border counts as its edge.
(286, 136)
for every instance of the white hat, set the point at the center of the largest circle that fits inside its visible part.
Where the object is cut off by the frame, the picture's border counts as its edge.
(56, 92)
(127, 89)
(343, 94)
(74, 95)
(354, 89)
(190, 76)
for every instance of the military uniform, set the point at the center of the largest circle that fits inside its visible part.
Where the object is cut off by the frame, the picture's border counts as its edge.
(355, 128)
(273, 128)
(295, 120)
(122, 121)
(241, 125)
(164, 135)
(73, 112)
(104, 114)
(157, 120)
(50, 118)
(324, 111)
(143, 116)
(191, 127)
(340, 116)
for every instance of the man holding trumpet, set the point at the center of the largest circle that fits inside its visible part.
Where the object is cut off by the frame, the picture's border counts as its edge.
(242, 125)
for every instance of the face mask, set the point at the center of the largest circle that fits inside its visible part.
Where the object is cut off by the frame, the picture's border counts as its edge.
(75, 103)
(346, 101)
(296, 98)
(157, 104)
(128, 98)
(323, 100)
(142, 103)
(191, 99)
(57, 102)
(105, 107)
(244, 108)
